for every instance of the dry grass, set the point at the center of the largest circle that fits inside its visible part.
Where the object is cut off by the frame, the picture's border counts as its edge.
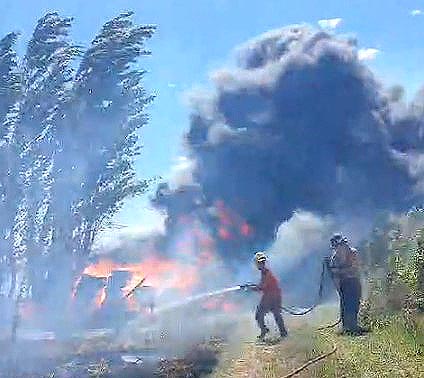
(390, 351)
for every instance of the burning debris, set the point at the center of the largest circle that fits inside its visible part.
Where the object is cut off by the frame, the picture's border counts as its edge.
(118, 284)
(199, 361)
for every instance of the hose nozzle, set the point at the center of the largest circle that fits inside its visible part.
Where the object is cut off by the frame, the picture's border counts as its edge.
(248, 286)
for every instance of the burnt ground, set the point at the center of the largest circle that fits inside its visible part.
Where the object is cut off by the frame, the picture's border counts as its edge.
(52, 359)
(161, 348)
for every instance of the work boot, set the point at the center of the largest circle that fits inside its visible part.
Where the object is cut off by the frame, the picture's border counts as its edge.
(264, 331)
(364, 329)
(351, 332)
(342, 332)
(359, 331)
(283, 334)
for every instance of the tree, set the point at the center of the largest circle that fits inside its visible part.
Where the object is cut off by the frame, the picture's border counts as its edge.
(10, 89)
(98, 141)
(45, 73)
(74, 137)
(108, 107)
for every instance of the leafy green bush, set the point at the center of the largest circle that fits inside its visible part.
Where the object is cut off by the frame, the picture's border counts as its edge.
(396, 284)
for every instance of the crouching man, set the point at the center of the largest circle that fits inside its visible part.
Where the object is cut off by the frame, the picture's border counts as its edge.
(271, 298)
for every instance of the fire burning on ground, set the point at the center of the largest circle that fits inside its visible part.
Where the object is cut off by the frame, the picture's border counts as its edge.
(161, 273)
(194, 249)
(105, 294)
(101, 297)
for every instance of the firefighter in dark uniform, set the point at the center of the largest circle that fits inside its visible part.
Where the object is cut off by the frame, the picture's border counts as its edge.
(271, 298)
(344, 267)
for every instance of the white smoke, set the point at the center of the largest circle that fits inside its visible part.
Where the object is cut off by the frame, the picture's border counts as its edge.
(330, 23)
(304, 234)
(182, 173)
(368, 53)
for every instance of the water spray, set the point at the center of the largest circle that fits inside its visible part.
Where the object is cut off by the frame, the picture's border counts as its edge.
(198, 297)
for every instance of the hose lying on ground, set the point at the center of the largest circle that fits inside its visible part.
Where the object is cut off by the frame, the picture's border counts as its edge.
(311, 362)
(300, 312)
(334, 346)
(320, 357)
(329, 325)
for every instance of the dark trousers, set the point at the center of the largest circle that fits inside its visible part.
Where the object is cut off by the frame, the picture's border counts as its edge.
(274, 307)
(350, 296)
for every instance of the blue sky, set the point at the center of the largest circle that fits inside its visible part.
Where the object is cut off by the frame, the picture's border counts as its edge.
(197, 36)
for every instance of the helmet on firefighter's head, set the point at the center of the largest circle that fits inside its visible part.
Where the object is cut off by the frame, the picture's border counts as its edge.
(260, 258)
(337, 239)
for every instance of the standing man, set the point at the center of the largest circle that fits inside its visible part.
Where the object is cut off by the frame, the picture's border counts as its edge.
(344, 267)
(271, 298)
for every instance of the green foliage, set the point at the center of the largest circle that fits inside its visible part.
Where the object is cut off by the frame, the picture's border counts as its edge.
(391, 350)
(396, 287)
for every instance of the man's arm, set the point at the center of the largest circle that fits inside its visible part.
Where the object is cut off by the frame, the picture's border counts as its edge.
(334, 268)
(261, 285)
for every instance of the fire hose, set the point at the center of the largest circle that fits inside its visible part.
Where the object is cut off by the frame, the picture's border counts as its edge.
(324, 355)
(295, 310)
(318, 358)
(311, 362)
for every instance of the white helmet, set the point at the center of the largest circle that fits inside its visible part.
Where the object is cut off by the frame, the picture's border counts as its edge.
(260, 257)
(338, 239)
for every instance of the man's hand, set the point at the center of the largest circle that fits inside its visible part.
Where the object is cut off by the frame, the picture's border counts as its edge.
(250, 286)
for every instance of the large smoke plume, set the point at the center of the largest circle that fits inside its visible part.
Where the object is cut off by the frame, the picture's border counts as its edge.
(296, 141)
(300, 124)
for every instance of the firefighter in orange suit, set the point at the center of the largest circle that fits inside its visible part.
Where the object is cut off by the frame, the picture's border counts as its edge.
(271, 298)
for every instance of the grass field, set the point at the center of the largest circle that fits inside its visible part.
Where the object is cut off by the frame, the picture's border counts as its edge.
(388, 351)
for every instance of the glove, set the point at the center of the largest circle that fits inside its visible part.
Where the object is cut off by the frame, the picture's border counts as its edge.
(249, 286)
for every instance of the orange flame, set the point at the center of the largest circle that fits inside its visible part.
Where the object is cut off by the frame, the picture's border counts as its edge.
(231, 224)
(196, 246)
(160, 273)
(246, 230)
(224, 233)
(102, 269)
(218, 304)
(75, 287)
(101, 297)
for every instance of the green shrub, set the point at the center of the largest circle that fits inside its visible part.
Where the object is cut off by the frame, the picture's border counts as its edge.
(396, 286)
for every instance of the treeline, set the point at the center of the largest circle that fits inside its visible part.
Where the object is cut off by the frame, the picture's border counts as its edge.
(69, 122)
(395, 259)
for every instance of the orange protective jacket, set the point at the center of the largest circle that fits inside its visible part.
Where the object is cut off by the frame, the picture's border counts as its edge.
(270, 287)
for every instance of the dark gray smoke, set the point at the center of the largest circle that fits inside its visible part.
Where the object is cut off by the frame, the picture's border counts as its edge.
(299, 123)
